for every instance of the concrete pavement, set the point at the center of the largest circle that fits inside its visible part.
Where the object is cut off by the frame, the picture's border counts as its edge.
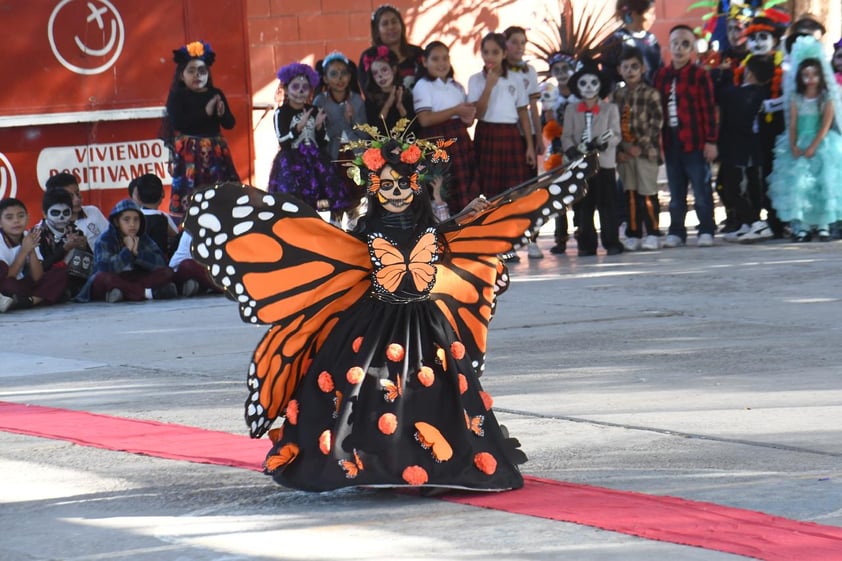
(710, 374)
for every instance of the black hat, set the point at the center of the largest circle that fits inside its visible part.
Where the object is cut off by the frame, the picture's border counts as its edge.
(590, 68)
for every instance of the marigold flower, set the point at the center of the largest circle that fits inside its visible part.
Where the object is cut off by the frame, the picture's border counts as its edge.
(411, 154)
(355, 375)
(373, 159)
(426, 376)
(395, 352)
(552, 162)
(552, 130)
(387, 423)
(457, 349)
(485, 462)
(325, 382)
(415, 475)
(195, 49)
(292, 412)
(463, 383)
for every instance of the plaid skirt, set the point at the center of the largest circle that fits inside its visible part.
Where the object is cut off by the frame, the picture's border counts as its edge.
(460, 185)
(500, 157)
(198, 161)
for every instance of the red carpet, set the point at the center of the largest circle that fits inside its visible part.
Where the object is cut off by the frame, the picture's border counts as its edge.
(668, 519)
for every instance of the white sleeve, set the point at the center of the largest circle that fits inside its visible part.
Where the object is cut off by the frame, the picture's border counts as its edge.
(533, 91)
(521, 97)
(476, 84)
(422, 96)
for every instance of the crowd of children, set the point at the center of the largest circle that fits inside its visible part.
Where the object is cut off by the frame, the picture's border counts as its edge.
(762, 109)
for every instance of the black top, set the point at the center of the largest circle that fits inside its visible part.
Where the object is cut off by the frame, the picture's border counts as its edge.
(613, 47)
(186, 110)
(408, 69)
(739, 143)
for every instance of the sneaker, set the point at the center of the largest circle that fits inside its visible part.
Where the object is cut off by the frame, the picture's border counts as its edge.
(621, 231)
(114, 295)
(165, 292)
(801, 236)
(760, 230)
(735, 235)
(673, 241)
(5, 303)
(651, 243)
(824, 235)
(534, 252)
(705, 240)
(631, 244)
(190, 288)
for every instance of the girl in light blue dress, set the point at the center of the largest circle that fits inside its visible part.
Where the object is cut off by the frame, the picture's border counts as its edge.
(805, 185)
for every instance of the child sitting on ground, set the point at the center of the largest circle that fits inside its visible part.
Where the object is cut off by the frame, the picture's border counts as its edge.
(63, 246)
(23, 282)
(128, 265)
(148, 193)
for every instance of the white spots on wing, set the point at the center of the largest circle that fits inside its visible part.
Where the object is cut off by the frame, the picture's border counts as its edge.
(241, 211)
(238, 288)
(242, 200)
(557, 205)
(210, 194)
(291, 208)
(230, 269)
(568, 199)
(554, 189)
(580, 175)
(268, 200)
(545, 211)
(210, 221)
(214, 270)
(217, 254)
(220, 239)
(202, 250)
(242, 227)
(573, 188)
(193, 210)
(266, 215)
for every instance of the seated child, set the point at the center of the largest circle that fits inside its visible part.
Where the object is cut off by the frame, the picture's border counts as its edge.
(191, 277)
(23, 282)
(87, 218)
(62, 244)
(128, 265)
(148, 194)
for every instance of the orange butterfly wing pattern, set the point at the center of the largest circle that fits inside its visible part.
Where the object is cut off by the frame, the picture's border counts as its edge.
(469, 274)
(391, 266)
(430, 438)
(285, 266)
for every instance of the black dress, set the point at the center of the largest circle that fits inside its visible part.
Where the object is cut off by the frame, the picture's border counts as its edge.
(377, 339)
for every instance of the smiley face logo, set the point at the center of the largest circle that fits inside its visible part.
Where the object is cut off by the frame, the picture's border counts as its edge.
(8, 180)
(86, 36)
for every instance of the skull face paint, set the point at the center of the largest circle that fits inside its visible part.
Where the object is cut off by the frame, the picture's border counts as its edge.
(394, 191)
(588, 85)
(58, 217)
(562, 71)
(298, 91)
(760, 43)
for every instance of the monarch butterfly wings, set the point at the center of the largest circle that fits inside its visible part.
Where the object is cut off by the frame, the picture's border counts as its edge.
(285, 266)
(469, 274)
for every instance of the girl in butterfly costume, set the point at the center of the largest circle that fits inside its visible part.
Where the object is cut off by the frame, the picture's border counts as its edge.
(377, 336)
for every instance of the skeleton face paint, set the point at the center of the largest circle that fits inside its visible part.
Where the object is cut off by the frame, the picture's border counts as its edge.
(298, 91)
(195, 75)
(562, 72)
(588, 85)
(760, 43)
(395, 192)
(58, 217)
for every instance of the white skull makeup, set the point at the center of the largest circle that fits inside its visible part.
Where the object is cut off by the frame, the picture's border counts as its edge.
(588, 85)
(298, 90)
(58, 217)
(195, 75)
(760, 43)
(394, 191)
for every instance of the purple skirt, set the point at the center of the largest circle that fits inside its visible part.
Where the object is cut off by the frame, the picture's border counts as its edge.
(304, 173)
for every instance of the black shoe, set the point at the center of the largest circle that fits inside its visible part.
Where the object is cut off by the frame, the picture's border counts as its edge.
(586, 253)
(559, 248)
(21, 303)
(165, 292)
(614, 250)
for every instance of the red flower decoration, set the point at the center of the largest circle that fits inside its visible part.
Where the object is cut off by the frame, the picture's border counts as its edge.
(387, 423)
(415, 475)
(487, 400)
(373, 159)
(324, 442)
(457, 349)
(411, 154)
(426, 376)
(463, 383)
(292, 412)
(325, 382)
(394, 352)
(485, 462)
(552, 162)
(355, 375)
(552, 130)
(357, 344)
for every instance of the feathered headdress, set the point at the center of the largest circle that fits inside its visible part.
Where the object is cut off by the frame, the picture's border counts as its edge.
(738, 10)
(293, 70)
(579, 34)
(197, 49)
(399, 148)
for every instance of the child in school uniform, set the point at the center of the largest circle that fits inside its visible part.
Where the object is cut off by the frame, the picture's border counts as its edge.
(504, 157)
(128, 264)
(23, 281)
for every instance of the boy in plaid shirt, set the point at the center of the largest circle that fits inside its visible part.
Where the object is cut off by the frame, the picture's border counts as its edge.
(639, 153)
(690, 134)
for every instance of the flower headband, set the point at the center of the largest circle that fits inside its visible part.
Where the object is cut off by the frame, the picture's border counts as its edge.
(198, 50)
(333, 57)
(291, 71)
(396, 148)
(381, 54)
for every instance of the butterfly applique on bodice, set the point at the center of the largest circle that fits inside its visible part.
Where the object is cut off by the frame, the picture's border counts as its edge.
(396, 275)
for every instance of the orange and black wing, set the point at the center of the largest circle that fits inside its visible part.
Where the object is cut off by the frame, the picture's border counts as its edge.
(470, 275)
(285, 266)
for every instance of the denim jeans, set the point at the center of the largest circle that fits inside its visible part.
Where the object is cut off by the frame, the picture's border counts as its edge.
(683, 167)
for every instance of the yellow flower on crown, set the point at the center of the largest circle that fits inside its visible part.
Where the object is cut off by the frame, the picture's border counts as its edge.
(196, 49)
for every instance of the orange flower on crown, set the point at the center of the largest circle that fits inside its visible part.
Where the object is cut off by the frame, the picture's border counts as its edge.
(195, 49)
(411, 154)
(552, 130)
(373, 159)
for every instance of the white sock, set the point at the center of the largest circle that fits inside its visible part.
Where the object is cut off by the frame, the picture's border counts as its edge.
(148, 293)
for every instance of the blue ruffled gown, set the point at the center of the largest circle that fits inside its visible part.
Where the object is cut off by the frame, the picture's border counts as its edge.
(808, 191)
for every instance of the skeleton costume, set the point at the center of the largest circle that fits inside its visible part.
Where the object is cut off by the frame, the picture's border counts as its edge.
(301, 167)
(55, 227)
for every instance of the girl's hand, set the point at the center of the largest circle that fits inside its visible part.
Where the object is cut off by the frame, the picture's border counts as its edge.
(74, 241)
(320, 118)
(466, 112)
(476, 206)
(399, 101)
(530, 157)
(491, 77)
(796, 151)
(349, 111)
(211, 107)
(220, 107)
(810, 151)
(31, 240)
(303, 122)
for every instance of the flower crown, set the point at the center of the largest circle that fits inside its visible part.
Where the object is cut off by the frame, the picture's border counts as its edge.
(290, 72)
(396, 148)
(382, 8)
(196, 49)
(382, 53)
